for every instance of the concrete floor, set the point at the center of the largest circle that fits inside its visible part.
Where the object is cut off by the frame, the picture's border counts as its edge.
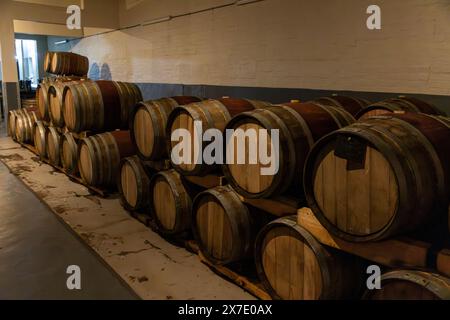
(36, 249)
(59, 223)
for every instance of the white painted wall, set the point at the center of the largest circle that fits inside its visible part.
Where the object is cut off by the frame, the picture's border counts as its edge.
(283, 43)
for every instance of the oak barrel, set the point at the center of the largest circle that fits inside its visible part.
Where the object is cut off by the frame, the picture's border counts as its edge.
(411, 285)
(12, 116)
(293, 265)
(212, 114)
(385, 176)
(99, 157)
(42, 101)
(133, 184)
(299, 126)
(68, 63)
(52, 138)
(69, 153)
(349, 104)
(48, 62)
(223, 226)
(171, 203)
(408, 104)
(55, 103)
(40, 144)
(24, 125)
(148, 126)
(99, 106)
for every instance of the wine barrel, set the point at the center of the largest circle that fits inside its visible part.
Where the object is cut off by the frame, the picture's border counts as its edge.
(69, 153)
(99, 106)
(213, 114)
(148, 126)
(28, 103)
(48, 62)
(379, 178)
(68, 63)
(133, 184)
(408, 104)
(40, 139)
(171, 203)
(53, 141)
(25, 124)
(223, 226)
(411, 285)
(42, 101)
(55, 103)
(299, 126)
(99, 157)
(349, 104)
(12, 116)
(293, 265)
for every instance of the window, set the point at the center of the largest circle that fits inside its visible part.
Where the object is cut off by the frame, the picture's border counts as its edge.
(27, 61)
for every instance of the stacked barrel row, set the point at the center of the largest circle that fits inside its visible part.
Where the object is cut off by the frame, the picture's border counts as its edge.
(101, 109)
(321, 136)
(80, 126)
(291, 263)
(66, 64)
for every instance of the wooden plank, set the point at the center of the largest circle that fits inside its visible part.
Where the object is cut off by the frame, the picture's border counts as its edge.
(249, 286)
(394, 253)
(279, 206)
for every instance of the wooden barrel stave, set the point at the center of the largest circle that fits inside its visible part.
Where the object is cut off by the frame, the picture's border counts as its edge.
(293, 265)
(133, 184)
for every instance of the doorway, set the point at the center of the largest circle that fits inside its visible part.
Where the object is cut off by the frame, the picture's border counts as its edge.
(27, 61)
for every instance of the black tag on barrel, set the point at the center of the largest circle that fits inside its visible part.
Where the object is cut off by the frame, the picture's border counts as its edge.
(353, 150)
